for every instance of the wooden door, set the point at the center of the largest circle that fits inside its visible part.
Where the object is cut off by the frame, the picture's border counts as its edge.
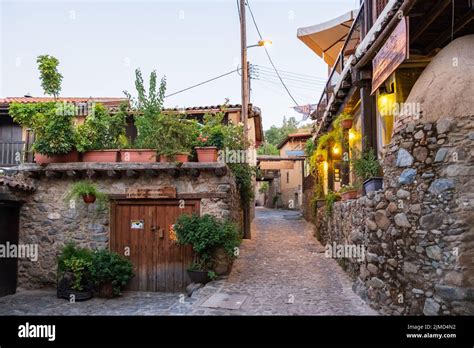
(9, 223)
(143, 230)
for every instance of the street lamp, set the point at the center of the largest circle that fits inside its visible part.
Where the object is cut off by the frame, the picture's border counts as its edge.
(262, 43)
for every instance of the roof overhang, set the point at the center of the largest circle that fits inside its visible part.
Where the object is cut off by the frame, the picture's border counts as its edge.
(327, 39)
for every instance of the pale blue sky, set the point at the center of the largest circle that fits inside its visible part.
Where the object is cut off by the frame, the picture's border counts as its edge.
(99, 45)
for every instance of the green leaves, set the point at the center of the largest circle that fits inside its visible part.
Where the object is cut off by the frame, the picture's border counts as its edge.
(86, 188)
(49, 75)
(100, 130)
(108, 266)
(366, 165)
(206, 234)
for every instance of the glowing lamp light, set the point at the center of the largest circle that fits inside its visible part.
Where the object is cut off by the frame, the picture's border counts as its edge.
(265, 43)
(351, 135)
(335, 150)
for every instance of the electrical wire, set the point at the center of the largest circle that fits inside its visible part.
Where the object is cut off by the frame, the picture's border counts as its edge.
(268, 54)
(308, 83)
(290, 73)
(204, 82)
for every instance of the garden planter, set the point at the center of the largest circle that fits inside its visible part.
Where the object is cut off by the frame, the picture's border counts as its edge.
(100, 156)
(199, 277)
(72, 156)
(373, 184)
(349, 195)
(64, 291)
(182, 158)
(346, 124)
(133, 155)
(207, 154)
(89, 199)
(106, 290)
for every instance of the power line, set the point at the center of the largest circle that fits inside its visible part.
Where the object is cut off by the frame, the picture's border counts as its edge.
(258, 71)
(204, 82)
(307, 83)
(268, 54)
(286, 72)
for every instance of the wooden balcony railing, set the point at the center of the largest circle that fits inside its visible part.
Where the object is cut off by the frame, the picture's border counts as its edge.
(12, 153)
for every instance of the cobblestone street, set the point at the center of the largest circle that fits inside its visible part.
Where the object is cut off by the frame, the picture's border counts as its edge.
(281, 271)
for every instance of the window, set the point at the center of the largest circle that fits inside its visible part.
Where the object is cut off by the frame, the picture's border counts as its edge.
(287, 177)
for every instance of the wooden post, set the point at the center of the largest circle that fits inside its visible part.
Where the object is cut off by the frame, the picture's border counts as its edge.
(345, 157)
(330, 169)
(245, 98)
(369, 119)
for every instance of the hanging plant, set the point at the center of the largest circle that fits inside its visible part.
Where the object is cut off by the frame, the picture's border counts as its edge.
(89, 192)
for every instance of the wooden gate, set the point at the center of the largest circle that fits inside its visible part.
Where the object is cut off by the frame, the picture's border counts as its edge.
(143, 229)
(9, 223)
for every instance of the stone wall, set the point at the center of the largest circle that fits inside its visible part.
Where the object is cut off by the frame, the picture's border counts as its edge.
(418, 232)
(47, 220)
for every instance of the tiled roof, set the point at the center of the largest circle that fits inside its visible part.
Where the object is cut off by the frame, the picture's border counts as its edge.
(111, 100)
(16, 182)
(299, 136)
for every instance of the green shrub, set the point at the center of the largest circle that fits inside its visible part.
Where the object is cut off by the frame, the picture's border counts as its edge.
(108, 266)
(206, 234)
(77, 262)
(100, 130)
(331, 197)
(366, 166)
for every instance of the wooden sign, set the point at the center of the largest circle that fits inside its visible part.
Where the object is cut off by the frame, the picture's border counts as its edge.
(393, 53)
(274, 165)
(151, 193)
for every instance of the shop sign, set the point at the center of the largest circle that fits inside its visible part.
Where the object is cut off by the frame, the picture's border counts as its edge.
(393, 53)
(151, 193)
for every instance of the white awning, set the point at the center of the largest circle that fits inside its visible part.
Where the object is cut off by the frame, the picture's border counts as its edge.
(327, 39)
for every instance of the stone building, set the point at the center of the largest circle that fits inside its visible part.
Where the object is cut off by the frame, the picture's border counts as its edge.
(153, 194)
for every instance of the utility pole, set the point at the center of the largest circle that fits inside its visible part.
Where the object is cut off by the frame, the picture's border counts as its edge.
(245, 69)
(245, 100)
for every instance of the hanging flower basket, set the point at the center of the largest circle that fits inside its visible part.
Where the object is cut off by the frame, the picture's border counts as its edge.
(347, 124)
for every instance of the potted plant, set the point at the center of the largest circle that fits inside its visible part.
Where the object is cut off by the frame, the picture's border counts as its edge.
(367, 168)
(53, 129)
(206, 235)
(211, 138)
(345, 120)
(177, 137)
(74, 280)
(110, 273)
(206, 152)
(349, 192)
(98, 138)
(89, 192)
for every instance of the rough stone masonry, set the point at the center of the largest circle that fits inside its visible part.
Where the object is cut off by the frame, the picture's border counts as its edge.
(47, 220)
(419, 231)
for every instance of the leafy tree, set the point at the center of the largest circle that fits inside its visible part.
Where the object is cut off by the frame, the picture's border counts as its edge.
(268, 149)
(276, 135)
(49, 75)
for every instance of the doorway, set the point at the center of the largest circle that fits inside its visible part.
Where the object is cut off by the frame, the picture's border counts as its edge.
(142, 231)
(9, 227)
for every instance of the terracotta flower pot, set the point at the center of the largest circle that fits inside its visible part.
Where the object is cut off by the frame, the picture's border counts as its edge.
(182, 158)
(138, 155)
(349, 195)
(207, 154)
(89, 199)
(100, 156)
(347, 124)
(72, 156)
